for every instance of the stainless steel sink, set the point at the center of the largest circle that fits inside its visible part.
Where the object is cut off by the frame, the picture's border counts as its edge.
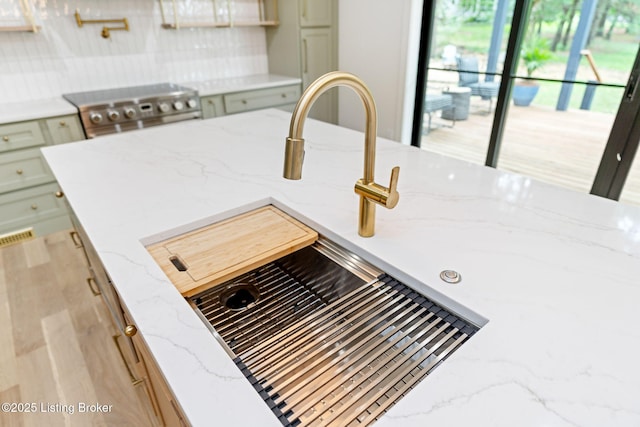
(326, 339)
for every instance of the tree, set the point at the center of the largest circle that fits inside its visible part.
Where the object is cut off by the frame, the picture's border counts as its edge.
(565, 20)
(544, 11)
(623, 11)
(567, 33)
(614, 12)
(601, 20)
(476, 10)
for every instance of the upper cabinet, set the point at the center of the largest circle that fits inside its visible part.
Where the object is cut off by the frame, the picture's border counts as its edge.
(304, 46)
(178, 14)
(315, 13)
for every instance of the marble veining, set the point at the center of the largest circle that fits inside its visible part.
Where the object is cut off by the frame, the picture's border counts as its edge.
(551, 273)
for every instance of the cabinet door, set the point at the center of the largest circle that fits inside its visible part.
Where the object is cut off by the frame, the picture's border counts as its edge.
(101, 283)
(212, 106)
(65, 129)
(171, 413)
(25, 208)
(315, 13)
(261, 98)
(22, 169)
(16, 136)
(317, 60)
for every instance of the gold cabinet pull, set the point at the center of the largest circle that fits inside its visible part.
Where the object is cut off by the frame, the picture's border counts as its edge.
(5, 138)
(92, 285)
(34, 207)
(130, 330)
(59, 194)
(135, 381)
(19, 171)
(75, 237)
(63, 123)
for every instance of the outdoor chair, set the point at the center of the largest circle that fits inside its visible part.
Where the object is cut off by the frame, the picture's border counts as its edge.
(435, 102)
(468, 75)
(449, 56)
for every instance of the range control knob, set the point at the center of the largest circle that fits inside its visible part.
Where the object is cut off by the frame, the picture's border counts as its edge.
(178, 105)
(163, 107)
(130, 112)
(192, 103)
(95, 118)
(113, 115)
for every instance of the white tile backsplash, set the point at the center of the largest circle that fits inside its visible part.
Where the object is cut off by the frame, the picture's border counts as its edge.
(64, 58)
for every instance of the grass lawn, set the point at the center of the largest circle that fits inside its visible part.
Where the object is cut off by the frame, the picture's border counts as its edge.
(606, 99)
(614, 59)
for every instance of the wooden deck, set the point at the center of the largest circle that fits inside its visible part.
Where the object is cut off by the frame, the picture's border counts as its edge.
(559, 147)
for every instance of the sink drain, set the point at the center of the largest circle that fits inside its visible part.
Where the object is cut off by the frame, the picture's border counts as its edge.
(239, 296)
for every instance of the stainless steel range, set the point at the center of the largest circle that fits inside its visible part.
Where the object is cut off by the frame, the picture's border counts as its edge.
(110, 111)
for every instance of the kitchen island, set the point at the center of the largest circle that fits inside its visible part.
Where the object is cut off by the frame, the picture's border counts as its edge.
(551, 275)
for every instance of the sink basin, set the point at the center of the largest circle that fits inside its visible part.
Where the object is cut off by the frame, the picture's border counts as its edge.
(327, 339)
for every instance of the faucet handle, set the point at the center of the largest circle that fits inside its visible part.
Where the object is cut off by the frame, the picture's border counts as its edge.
(394, 196)
(387, 197)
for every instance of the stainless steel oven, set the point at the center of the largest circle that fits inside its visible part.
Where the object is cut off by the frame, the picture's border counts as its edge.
(104, 112)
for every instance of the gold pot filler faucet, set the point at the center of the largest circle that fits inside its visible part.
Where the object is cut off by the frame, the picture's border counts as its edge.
(369, 191)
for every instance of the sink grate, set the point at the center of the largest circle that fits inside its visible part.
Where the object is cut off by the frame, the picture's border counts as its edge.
(340, 351)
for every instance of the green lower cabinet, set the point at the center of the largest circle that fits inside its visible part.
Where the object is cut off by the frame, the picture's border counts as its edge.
(284, 97)
(64, 129)
(262, 98)
(30, 199)
(212, 106)
(41, 208)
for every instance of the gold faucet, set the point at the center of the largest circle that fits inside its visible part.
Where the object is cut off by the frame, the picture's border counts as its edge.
(369, 191)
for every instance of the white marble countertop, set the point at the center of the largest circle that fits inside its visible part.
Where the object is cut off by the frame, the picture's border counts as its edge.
(31, 110)
(553, 271)
(237, 84)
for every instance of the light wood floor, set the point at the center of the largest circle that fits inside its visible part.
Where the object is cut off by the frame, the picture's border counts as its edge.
(559, 147)
(56, 343)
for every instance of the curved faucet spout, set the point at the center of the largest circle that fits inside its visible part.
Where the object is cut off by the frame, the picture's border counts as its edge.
(369, 191)
(309, 97)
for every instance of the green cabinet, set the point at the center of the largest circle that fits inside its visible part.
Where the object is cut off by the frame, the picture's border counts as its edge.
(37, 207)
(304, 46)
(317, 53)
(248, 100)
(261, 98)
(29, 194)
(315, 13)
(22, 169)
(212, 106)
(64, 129)
(15, 136)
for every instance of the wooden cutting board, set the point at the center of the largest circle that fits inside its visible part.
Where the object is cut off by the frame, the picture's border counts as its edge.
(208, 256)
